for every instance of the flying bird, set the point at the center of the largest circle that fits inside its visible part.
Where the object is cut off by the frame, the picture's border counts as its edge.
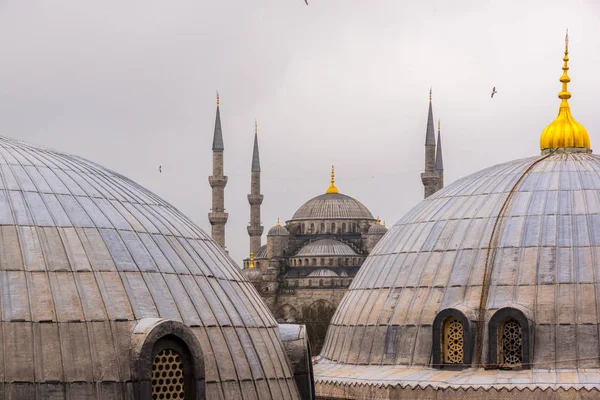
(493, 92)
(160, 169)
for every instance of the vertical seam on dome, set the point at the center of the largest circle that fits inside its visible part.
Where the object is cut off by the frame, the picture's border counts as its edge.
(490, 254)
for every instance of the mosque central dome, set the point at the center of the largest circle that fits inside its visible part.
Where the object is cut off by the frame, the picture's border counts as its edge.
(332, 205)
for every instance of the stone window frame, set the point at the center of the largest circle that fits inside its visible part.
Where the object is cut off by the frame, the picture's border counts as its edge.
(150, 336)
(438, 332)
(496, 322)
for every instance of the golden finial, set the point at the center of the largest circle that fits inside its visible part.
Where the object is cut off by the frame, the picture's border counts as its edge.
(218, 98)
(564, 132)
(377, 221)
(277, 224)
(332, 189)
(255, 127)
(430, 93)
(251, 260)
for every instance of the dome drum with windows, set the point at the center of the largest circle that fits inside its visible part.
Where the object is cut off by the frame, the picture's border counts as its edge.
(486, 288)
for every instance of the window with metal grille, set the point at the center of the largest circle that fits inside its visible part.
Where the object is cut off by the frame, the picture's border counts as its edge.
(453, 341)
(168, 380)
(511, 343)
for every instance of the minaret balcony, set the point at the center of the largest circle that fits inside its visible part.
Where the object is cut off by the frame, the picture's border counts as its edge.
(217, 217)
(255, 230)
(217, 181)
(255, 199)
(429, 178)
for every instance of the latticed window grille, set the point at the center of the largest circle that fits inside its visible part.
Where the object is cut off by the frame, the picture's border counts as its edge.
(167, 375)
(511, 343)
(453, 341)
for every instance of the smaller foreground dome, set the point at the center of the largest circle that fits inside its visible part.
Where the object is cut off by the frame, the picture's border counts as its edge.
(326, 247)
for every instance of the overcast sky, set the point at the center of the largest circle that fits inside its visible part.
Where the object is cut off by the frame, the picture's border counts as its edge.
(131, 85)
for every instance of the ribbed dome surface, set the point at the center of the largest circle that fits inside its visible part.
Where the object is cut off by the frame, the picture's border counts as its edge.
(85, 255)
(377, 229)
(323, 272)
(332, 206)
(278, 230)
(545, 261)
(326, 247)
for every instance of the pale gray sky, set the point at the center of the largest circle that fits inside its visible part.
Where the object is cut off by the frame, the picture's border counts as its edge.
(131, 85)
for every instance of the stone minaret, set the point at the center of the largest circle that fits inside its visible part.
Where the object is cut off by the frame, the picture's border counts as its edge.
(429, 177)
(439, 161)
(218, 216)
(255, 229)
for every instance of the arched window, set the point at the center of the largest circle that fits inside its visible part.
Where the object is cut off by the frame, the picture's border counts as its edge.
(333, 227)
(302, 228)
(452, 341)
(309, 282)
(509, 339)
(510, 343)
(306, 262)
(322, 227)
(320, 282)
(166, 361)
(312, 228)
(346, 261)
(344, 227)
(300, 262)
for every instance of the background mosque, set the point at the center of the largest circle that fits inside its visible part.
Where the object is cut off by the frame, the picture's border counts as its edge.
(489, 288)
(307, 264)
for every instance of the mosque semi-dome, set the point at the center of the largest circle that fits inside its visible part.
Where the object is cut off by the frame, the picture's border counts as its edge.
(326, 247)
(486, 286)
(323, 273)
(104, 285)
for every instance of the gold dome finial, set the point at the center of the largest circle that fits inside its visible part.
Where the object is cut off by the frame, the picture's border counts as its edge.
(251, 260)
(377, 221)
(332, 189)
(564, 132)
(218, 98)
(277, 224)
(430, 93)
(255, 127)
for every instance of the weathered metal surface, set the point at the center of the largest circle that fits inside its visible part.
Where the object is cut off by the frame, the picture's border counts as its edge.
(544, 262)
(84, 253)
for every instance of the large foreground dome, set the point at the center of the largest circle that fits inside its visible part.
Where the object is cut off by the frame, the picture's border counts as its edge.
(487, 286)
(109, 292)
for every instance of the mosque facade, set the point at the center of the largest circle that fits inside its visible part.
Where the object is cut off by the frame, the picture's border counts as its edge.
(306, 265)
(487, 289)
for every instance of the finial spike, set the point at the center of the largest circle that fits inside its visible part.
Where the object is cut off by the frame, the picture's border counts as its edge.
(332, 189)
(438, 125)
(218, 102)
(278, 224)
(430, 88)
(255, 127)
(251, 260)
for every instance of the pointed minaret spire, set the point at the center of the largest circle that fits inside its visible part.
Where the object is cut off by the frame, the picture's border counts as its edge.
(429, 177)
(439, 161)
(218, 216)
(255, 229)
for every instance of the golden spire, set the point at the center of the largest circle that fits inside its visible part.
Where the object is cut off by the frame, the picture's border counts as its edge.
(218, 98)
(564, 132)
(332, 189)
(251, 260)
(377, 221)
(277, 224)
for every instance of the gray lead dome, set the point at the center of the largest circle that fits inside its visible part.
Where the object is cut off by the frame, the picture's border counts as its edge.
(97, 274)
(332, 206)
(544, 276)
